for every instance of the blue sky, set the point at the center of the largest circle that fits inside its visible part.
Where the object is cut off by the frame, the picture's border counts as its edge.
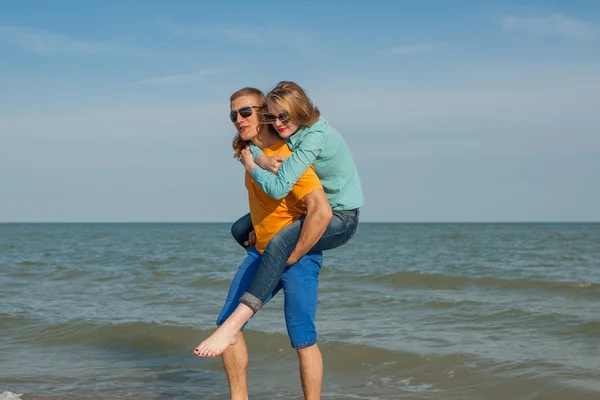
(454, 110)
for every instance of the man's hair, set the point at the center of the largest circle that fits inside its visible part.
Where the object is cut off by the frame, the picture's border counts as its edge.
(249, 91)
(291, 98)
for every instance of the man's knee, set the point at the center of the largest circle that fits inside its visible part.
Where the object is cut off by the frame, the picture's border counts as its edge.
(300, 322)
(307, 351)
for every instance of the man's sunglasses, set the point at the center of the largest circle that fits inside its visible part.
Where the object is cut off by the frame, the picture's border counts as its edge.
(271, 118)
(245, 112)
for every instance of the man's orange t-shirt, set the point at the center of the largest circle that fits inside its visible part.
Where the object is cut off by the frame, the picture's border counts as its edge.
(270, 215)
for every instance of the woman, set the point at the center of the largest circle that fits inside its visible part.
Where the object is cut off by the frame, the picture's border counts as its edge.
(314, 142)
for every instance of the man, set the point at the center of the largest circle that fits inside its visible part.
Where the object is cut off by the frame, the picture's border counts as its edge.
(268, 217)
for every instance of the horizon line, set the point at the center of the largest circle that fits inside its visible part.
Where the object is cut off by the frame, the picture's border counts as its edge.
(362, 222)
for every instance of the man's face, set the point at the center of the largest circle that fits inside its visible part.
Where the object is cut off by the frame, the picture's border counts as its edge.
(245, 111)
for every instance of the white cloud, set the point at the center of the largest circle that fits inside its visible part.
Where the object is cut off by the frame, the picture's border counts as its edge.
(44, 42)
(183, 77)
(411, 49)
(549, 25)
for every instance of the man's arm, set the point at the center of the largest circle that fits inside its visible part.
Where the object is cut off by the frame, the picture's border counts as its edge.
(318, 215)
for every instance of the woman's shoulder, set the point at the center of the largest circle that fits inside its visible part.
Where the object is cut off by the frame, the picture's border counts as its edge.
(319, 126)
(326, 131)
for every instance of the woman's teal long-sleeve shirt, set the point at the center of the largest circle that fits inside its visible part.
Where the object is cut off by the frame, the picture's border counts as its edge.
(323, 147)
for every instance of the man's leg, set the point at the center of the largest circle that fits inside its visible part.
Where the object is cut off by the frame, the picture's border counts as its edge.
(300, 287)
(235, 361)
(235, 357)
(311, 371)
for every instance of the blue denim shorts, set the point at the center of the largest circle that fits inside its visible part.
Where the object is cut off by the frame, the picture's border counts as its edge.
(300, 283)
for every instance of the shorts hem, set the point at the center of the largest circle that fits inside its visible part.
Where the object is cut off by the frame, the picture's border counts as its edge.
(303, 345)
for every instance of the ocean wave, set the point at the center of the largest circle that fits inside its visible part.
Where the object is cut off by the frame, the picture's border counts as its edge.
(451, 304)
(30, 263)
(590, 328)
(172, 259)
(160, 261)
(440, 281)
(143, 336)
(153, 337)
(209, 282)
(374, 369)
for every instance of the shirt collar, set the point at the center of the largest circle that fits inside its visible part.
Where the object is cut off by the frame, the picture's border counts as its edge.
(302, 132)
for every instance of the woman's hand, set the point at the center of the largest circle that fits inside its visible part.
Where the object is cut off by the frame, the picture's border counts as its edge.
(272, 163)
(247, 159)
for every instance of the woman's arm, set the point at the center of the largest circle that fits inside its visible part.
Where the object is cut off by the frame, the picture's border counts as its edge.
(271, 164)
(292, 168)
(256, 152)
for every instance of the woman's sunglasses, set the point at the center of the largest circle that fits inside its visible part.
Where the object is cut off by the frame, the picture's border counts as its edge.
(245, 112)
(271, 118)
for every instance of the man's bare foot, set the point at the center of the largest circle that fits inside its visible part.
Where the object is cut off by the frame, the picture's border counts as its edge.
(216, 344)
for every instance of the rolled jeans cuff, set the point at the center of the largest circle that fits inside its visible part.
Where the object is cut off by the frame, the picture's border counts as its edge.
(251, 301)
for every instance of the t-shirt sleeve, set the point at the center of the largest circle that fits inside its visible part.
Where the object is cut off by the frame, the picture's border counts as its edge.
(306, 184)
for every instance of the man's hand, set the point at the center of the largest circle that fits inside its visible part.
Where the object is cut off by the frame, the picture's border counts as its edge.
(292, 260)
(251, 242)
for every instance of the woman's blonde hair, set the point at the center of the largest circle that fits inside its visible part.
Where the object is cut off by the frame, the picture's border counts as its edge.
(238, 143)
(291, 98)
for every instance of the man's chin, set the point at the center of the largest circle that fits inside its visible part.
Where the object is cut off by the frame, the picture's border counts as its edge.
(247, 135)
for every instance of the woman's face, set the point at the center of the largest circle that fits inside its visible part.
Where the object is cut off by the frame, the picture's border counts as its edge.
(280, 120)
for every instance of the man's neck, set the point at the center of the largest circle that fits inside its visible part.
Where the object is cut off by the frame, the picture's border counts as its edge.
(266, 138)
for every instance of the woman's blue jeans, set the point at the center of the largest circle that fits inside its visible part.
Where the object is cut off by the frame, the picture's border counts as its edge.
(340, 230)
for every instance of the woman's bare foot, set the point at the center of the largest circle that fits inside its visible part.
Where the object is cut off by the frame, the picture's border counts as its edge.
(226, 334)
(216, 343)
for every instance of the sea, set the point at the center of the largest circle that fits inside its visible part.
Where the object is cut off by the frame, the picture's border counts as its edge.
(506, 311)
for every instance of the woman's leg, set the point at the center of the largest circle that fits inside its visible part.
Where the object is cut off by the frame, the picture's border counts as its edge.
(233, 316)
(241, 229)
(341, 229)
